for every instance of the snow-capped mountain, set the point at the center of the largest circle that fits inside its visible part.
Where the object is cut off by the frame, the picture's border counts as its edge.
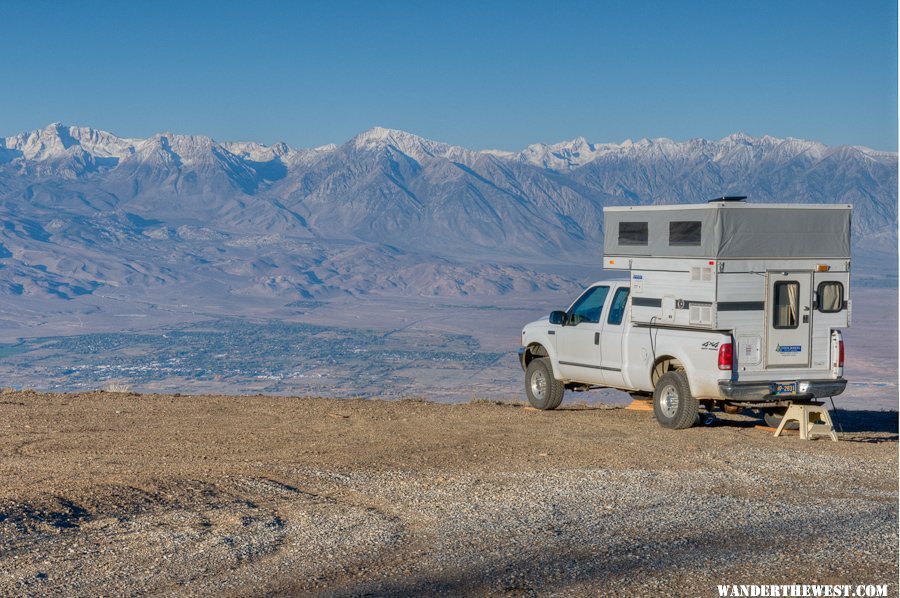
(86, 212)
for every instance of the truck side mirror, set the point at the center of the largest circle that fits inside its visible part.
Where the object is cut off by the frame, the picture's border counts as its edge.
(558, 317)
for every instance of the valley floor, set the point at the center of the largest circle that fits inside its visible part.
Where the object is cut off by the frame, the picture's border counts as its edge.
(117, 493)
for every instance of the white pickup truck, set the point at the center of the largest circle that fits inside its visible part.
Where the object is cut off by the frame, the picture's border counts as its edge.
(595, 344)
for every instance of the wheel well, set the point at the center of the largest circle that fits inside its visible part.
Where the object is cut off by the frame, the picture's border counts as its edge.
(534, 351)
(662, 365)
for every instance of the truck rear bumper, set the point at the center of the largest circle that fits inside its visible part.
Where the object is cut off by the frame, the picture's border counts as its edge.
(762, 391)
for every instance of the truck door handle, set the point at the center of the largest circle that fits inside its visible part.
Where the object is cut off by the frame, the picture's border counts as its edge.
(596, 338)
(805, 319)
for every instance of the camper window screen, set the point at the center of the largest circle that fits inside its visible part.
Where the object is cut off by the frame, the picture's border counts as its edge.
(633, 233)
(831, 297)
(684, 233)
(787, 304)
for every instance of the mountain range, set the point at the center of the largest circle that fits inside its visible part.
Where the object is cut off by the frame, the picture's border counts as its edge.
(86, 213)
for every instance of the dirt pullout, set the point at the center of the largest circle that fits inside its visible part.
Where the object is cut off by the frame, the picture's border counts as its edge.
(105, 493)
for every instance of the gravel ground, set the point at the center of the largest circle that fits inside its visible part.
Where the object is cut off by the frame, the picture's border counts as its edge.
(104, 493)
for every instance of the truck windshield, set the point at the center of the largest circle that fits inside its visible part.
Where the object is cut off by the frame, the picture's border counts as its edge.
(589, 306)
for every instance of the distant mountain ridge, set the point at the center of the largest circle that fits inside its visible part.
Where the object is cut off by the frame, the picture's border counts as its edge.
(385, 212)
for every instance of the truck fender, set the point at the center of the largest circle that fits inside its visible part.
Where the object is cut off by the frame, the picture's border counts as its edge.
(538, 349)
(675, 360)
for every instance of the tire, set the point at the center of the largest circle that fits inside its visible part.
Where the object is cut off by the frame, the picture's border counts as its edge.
(543, 390)
(773, 417)
(673, 404)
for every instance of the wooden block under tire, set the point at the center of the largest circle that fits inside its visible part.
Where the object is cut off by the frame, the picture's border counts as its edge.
(641, 405)
(765, 428)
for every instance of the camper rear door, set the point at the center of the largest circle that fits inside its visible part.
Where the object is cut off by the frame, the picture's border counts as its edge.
(789, 319)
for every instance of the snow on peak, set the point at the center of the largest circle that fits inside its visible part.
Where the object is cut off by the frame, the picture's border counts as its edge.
(569, 155)
(418, 148)
(57, 140)
(378, 137)
(564, 155)
(376, 134)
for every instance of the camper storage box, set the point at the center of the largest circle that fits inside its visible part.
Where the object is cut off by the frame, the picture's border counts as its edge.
(713, 265)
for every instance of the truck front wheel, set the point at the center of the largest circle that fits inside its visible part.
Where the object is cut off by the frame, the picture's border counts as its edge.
(673, 404)
(543, 390)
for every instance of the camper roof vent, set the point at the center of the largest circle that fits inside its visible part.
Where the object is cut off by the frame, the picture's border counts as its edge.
(728, 198)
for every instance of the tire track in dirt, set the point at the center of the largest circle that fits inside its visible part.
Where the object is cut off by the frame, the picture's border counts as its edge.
(171, 533)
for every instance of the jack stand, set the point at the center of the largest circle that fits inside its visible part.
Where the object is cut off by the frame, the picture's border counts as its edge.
(809, 418)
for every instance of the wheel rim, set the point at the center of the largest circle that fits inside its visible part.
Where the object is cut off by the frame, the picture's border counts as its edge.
(668, 401)
(539, 385)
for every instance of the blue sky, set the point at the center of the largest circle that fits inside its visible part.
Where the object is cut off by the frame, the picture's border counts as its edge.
(478, 74)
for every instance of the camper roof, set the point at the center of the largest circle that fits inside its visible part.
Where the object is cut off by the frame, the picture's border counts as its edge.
(729, 229)
(718, 204)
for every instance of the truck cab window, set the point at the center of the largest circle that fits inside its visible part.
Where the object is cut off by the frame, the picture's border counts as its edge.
(588, 307)
(786, 304)
(830, 297)
(617, 309)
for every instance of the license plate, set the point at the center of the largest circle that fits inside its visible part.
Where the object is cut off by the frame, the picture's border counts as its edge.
(784, 388)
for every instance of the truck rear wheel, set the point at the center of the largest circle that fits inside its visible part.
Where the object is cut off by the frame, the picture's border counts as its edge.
(673, 404)
(543, 390)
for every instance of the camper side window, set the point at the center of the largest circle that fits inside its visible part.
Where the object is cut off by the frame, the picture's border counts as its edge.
(685, 233)
(633, 233)
(830, 297)
(786, 304)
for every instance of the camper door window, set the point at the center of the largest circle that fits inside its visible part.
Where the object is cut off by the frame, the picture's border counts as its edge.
(633, 233)
(683, 233)
(787, 304)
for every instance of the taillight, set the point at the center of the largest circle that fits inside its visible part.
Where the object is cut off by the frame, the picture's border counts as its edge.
(840, 354)
(725, 356)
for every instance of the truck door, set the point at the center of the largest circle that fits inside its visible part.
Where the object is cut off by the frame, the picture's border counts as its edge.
(578, 342)
(788, 319)
(611, 339)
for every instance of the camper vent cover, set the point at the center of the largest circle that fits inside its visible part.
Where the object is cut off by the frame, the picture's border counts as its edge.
(700, 313)
(704, 274)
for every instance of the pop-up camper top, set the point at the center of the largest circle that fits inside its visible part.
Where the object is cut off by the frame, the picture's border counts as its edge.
(776, 275)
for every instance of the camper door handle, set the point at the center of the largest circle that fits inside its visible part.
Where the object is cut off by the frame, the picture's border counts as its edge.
(596, 338)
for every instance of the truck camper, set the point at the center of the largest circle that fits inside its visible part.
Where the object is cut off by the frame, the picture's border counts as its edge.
(723, 304)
